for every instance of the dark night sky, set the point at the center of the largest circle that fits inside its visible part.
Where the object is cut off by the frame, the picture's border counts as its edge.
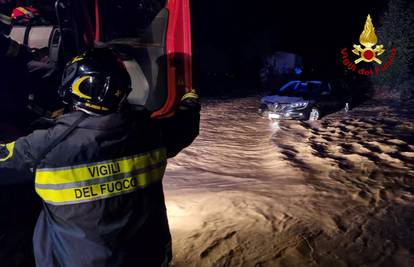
(237, 34)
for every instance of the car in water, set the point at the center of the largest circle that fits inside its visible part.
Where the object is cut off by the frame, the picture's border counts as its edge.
(305, 100)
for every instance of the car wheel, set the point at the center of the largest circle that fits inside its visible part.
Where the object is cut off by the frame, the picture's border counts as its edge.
(314, 114)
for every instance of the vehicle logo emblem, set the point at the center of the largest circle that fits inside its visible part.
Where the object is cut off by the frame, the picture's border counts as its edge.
(368, 40)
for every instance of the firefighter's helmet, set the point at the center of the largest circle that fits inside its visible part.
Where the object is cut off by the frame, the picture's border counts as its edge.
(96, 82)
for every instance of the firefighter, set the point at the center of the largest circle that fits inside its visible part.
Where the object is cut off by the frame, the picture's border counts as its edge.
(99, 170)
(27, 76)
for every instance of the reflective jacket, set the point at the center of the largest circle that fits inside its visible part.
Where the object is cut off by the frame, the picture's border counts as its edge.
(103, 203)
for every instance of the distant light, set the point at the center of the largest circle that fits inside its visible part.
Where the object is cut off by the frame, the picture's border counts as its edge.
(298, 70)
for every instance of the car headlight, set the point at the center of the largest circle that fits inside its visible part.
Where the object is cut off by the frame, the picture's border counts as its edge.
(299, 105)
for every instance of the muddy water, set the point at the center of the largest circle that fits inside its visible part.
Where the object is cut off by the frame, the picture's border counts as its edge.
(337, 192)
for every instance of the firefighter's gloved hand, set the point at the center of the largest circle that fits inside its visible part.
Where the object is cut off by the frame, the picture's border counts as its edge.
(190, 100)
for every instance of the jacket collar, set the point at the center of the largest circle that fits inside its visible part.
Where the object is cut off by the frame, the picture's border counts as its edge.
(104, 122)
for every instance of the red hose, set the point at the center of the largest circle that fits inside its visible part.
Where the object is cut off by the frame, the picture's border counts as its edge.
(97, 22)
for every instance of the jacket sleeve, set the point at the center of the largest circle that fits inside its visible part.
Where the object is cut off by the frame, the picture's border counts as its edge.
(16, 162)
(180, 130)
(10, 48)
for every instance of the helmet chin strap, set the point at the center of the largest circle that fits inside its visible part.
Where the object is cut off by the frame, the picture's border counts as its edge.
(77, 108)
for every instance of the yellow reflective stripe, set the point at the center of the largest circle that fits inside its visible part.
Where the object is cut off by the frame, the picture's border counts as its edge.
(96, 106)
(190, 95)
(100, 190)
(75, 87)
(76, 59)
(100, 169)
(9, 150)
(5, 19)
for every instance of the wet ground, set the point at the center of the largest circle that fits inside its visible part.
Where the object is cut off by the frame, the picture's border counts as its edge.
(336, 192)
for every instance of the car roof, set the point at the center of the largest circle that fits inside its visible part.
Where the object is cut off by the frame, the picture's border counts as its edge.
(301, 82)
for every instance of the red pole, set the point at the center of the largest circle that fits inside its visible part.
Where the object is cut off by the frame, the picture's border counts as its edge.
(97, 22)
(179, 53)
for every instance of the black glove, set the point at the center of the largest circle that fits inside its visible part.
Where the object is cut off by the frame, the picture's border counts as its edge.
(190, 101)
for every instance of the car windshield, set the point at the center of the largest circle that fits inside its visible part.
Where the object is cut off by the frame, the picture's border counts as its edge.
(300, 89)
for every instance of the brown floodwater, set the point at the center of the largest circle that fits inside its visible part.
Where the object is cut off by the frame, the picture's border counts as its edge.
(336, 192)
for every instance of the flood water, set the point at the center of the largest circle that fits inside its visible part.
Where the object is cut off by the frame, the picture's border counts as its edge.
(337, 192)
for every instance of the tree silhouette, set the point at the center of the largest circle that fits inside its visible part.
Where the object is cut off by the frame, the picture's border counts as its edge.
(396, 31)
